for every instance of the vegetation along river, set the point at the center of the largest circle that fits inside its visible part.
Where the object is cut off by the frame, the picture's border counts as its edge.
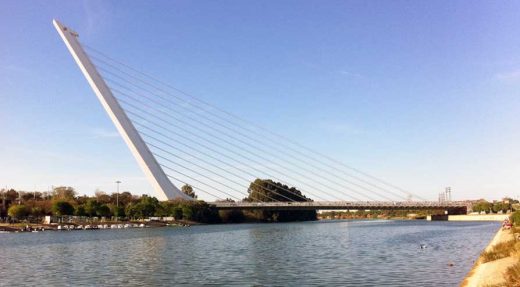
(333, 253)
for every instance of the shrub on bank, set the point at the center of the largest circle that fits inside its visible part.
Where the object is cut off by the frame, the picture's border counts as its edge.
(513, 273)
(501, 250)
(515, 218)
(18, 211)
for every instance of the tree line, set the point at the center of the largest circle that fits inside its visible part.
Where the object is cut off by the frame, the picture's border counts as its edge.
(64, 201)
(268, 191)
(484, 206)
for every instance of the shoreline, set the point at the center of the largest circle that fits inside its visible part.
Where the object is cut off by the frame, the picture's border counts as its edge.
(22, 227)
(40, 227)
(491, 273)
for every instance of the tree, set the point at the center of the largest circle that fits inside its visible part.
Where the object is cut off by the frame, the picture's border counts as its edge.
(102, 197)
(11, 195)
(37, 211)
(81, 200)
(482, 206)
(91, 207)
(187, 212)
(64, 193)
(503, 206)
(26, 196)
(80, 211)
(45, 206)
(188, 190)
(266, 190)
(61, 208)
(506, 206)
(497, 206)
(103, 211)
(131, 210)
(177, 213)
(124, 198)
(117, 211)
(146, 207)
(18, 211)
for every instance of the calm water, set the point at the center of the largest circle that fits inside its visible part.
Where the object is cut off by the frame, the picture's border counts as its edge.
(333, 253)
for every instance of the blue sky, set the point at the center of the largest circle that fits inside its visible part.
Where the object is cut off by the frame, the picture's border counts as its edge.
(422, 94)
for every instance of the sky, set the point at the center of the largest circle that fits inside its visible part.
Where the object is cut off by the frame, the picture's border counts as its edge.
(422, 94)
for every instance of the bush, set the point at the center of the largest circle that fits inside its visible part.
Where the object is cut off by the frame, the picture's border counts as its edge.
(501, 250)
(61, 208)
(515, 218)
(80, 211)
(117, 211)
(177, 213)
(187, 212)
(37, 211)
(91, 207)
(513, 273)
(103, 211)
(18, 211)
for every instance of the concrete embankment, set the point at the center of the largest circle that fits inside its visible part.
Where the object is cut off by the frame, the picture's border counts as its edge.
(491, 273)
(478, 217)
(469, 217)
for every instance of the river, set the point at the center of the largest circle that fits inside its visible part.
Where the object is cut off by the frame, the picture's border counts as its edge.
(332, 253)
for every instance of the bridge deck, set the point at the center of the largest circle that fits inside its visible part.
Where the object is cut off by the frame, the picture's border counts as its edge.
(343, 205)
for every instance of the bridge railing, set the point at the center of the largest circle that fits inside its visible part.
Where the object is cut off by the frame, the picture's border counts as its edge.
(345, 204)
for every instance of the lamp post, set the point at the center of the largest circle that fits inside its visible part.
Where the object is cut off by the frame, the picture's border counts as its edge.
(117, 199)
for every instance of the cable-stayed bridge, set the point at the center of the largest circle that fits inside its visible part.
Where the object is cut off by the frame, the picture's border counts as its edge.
(178, 139)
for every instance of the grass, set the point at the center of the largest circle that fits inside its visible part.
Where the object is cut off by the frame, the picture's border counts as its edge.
(512, 277)
(512, 274)
(501, 250)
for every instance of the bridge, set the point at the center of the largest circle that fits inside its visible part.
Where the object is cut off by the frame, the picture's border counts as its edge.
(178, 139)
(451, 207)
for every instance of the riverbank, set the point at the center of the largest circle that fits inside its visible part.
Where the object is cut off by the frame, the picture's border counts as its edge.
(492, 266)
(479, 217)
(37, 227)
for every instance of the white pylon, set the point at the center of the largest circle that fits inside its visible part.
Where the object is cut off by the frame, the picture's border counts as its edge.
(164, 188)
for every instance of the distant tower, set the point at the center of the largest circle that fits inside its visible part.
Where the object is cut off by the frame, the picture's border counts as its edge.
(448, 193)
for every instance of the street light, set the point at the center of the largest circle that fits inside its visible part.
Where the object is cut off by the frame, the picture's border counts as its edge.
(117, 194)
(117, 199)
